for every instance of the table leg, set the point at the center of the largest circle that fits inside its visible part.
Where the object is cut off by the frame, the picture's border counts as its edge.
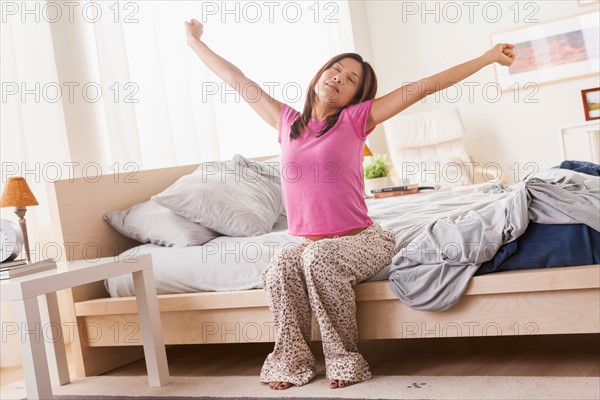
(55, 345)
(152, 334)
(33, 352)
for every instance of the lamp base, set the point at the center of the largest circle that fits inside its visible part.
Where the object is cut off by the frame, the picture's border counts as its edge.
(20, 211)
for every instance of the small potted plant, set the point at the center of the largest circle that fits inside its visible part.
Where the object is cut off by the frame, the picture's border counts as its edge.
(376, 171)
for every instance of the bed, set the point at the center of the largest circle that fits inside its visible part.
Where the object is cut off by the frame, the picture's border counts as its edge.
(564, 300)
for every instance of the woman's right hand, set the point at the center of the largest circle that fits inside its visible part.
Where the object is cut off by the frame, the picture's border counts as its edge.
(193, 30)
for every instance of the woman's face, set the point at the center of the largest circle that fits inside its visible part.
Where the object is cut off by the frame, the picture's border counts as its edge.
(340, 83)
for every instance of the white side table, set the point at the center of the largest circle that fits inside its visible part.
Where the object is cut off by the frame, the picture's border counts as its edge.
(591, 128)
(24, 292)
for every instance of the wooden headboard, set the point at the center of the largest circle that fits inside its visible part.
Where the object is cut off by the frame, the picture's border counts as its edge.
(78, 206)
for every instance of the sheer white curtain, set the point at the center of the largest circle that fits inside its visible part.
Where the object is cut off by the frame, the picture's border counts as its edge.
(32, 135)
(96, 87)
(132, 91)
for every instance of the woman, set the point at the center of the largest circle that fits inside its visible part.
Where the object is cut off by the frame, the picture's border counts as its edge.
(322, 187)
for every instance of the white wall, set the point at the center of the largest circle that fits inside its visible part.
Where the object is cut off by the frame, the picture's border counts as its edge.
(507, 132)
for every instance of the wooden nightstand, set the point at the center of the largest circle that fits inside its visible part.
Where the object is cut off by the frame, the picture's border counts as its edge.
(40, 337)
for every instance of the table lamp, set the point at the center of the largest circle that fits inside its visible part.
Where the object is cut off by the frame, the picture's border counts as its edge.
(16, 193)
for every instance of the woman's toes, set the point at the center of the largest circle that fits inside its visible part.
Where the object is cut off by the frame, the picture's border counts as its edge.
(338, 383)
(279, 385)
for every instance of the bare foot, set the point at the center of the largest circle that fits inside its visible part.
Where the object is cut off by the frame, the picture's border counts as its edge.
(337, 383)
(280, 385)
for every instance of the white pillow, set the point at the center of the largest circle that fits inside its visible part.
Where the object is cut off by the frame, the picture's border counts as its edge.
(227, 197)
(149, 222)
(271, 169)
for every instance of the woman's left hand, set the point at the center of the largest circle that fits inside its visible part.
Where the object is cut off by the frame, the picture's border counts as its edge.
(502, 53)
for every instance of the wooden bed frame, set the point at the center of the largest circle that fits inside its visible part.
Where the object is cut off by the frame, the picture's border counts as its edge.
(544, 301)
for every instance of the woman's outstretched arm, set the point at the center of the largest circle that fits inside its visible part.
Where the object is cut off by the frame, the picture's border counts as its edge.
(266, 106)
(392, 103)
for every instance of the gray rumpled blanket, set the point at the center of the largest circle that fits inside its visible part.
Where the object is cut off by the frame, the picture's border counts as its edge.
(432, 272)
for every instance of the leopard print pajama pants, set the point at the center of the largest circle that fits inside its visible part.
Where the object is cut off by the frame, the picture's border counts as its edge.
(319, 276)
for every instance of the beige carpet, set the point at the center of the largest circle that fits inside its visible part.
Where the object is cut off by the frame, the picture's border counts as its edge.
(388, 387)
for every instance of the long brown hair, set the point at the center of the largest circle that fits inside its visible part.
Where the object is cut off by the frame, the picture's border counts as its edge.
(367, 91)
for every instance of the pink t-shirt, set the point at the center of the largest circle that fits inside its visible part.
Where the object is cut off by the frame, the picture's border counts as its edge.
(322, 178)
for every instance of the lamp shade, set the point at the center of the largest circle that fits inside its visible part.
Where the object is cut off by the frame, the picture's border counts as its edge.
(16, 193)
(367, 151)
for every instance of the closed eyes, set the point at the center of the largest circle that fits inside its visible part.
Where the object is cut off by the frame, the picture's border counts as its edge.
(338, 69)
(352, 80)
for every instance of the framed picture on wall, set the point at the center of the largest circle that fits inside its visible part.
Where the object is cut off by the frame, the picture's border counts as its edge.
(587, 2)
(591, 103)
(551, 51)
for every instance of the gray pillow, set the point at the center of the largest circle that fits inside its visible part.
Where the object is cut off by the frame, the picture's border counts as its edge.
(227, 196)
(149, 222)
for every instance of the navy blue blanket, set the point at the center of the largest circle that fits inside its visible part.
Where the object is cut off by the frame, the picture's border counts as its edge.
(547, 246)
(585, 167)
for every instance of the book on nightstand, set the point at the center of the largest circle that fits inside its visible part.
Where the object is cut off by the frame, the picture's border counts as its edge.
(379, 195)
(13, 269)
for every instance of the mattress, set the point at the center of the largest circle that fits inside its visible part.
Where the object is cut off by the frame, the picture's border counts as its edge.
(236, 263)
